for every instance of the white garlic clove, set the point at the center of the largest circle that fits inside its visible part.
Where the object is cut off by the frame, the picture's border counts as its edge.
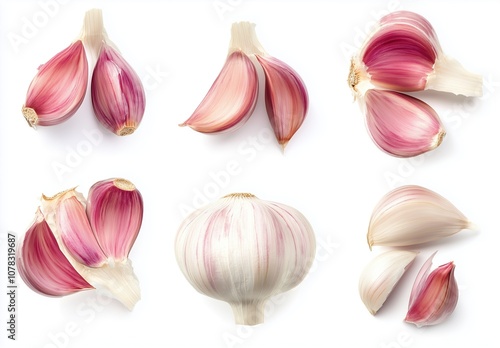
(381, 275)
(412, 215)
(243, 250)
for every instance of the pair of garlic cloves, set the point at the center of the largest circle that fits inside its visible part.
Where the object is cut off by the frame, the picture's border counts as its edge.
(76, 244)
(433, 297)
(403, 54)
(59, 87)
(244, 250)
(408, 217)
(232, 98)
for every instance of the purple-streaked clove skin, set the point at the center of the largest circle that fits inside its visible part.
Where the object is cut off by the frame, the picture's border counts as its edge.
(115, 210)
(58, 89)
(403, 54)
(401, 125)
(287, 99)
(231, 99)
(434, 296)
(118, 96)
(43, 266)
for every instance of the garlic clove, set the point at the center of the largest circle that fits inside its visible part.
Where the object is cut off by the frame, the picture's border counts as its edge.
(58, 89)
(404, 54)
(286, 98)
(243, 250)
(231, 99)
(76, 232)
(402, 125)
(412, 215)
(115, 211)
(43, 266)
(118, 96)
(434, 296)
(381, 275)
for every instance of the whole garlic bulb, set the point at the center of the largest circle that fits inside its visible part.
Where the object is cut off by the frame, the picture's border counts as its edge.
(243, 250)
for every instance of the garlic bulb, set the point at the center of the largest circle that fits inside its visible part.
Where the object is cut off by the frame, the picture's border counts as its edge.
(58, 89)
(404, 54)
(243, 250)
(78, 244)
(401, 125)
(434, 296)
(381, 275)
(411, 215)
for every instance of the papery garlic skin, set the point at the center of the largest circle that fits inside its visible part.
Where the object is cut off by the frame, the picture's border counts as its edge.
(105, 267)
(58, 89)
(287, 99)
(43, 266)
(412, 215)
(404, 54)
(434, 296)
(381, 275)
(115, 211)
(231, 99)
(401, 125)
(118, 96)
(243, 250)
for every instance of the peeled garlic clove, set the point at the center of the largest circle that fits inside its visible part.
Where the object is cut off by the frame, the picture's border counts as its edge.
(118, 96)
(115, 211)
(381, 275)
(403, 54)
(402, 125)
(231, 99)
(412, 215)
(286, 98)
(43, 266)
(434, 296)
(243, 250)
(58, 89)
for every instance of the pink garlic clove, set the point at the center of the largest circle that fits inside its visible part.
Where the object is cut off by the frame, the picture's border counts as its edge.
(118, 96)
(403, 54)
(58, 89)
(287, 100)
(401, 125)
(231, 99)
(43, 266)
(115, 211)
(434, 296)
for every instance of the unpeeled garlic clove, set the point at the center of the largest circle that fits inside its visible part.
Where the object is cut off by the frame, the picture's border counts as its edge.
(118, 96)
(402, 125)
(412, 215)
(243, 250)
(404, 54)
(42, 265)
(434, 296)
(115, 210)
(231, 99)
(58, 89)
(287, 100)
(381, 275)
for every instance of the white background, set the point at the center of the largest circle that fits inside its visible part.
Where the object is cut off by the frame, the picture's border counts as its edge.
(330, 171)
